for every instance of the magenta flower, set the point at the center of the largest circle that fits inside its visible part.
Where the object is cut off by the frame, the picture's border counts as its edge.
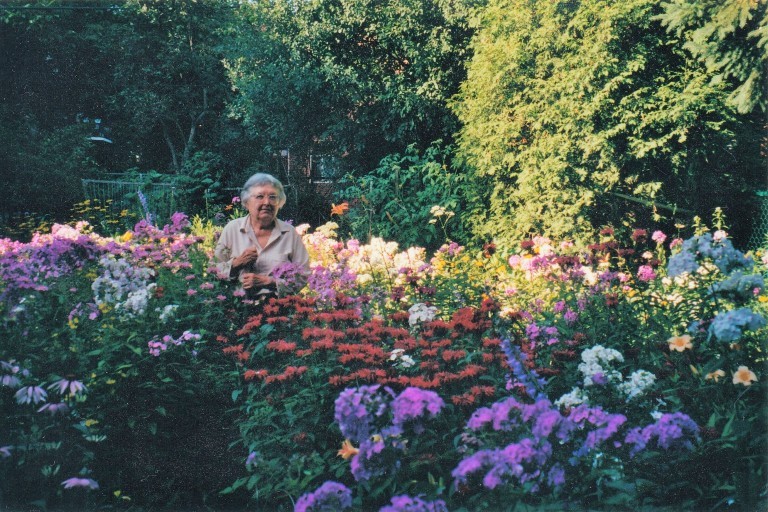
(31, 394)
(71, 483)
(658, 237)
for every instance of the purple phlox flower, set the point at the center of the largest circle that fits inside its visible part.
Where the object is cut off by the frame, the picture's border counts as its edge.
(5, 451)
(406, 503)
(570, 316)
(179, 222)
(71, 483)
(670, 431)
(290, 275)
(371, 460)
(599, 379)
(559, 306)
(329, 497)
(414, 403)
(356, 410)
(66, 386)
(31, 394)
(54, 409)
(518, 462)
(607, 426)
(252, 460)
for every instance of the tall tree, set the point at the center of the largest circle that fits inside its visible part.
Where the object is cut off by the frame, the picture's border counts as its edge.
(356, 78)
(578, 114)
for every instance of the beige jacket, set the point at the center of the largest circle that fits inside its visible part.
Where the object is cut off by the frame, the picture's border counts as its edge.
(284, 245)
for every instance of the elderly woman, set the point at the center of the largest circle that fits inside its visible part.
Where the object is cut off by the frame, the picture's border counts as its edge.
(251, 247)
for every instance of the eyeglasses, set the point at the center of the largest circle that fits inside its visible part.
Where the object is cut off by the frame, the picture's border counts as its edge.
(272, 198)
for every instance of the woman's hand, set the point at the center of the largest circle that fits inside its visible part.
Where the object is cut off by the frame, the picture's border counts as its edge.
(248, 256)
(251, 280)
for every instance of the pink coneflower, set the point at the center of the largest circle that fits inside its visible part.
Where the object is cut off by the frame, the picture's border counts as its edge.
(66, 386)
(10, 381)
(54, 409)
(71, 483)
(31, 394)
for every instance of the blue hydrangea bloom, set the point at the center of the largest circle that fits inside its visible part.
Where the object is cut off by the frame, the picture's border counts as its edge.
(739, 286)
(730, 325)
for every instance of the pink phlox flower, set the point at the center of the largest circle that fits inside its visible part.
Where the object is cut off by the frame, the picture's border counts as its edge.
(658, 237)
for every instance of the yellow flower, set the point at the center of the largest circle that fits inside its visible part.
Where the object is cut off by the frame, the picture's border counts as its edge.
(127, 236)
(763, 298)
(715, 375)
(744, 376)
(89, 423)
(347, 450)
(680, 343)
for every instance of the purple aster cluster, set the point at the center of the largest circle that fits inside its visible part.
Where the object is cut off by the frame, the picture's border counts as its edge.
(540, 428)
(289, 276)
(413, 504)
(378, 456)
(29, 267)
(325, 282)
(729, 325)
(329, 497)
(374, 417)
(669, 432)
(356, 410)
(521, 462)
(415, 403)
(533, 384)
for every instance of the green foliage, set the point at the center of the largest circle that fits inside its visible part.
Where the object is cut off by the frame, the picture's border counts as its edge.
(731, 39)
(397, 200)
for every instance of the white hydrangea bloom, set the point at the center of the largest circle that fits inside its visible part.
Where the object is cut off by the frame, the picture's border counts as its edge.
(420, 313)
(123, 285)
(598, 360)
(637, 383)
(575, 397)
(167, 312)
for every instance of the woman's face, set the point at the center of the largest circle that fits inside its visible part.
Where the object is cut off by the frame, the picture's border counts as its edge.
(263, 204)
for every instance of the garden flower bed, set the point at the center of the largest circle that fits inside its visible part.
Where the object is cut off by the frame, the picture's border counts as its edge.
(629, 373)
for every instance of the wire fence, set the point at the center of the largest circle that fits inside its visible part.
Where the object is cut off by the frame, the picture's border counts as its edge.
(759, 236)
(157, 199)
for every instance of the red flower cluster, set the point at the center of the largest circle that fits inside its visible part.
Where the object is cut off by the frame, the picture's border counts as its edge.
(348, 349)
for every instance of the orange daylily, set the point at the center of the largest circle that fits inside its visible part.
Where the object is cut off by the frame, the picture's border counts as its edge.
(680, 343)
(347, 450)
(744, 375)
(339, 209)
